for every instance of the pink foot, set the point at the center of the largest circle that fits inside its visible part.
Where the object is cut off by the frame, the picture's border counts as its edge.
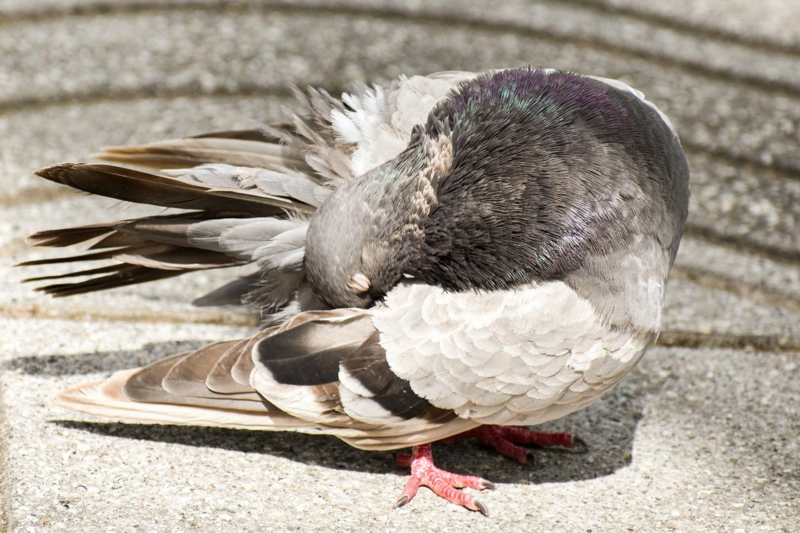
(443, 483)
(504, 440)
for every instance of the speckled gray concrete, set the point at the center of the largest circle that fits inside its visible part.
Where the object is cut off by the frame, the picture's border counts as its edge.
(702, 436)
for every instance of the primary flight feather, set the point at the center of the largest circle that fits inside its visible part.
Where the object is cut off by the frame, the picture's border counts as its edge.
(457, 254)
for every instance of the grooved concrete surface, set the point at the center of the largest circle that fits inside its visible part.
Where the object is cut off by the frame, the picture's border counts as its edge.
(703, 436)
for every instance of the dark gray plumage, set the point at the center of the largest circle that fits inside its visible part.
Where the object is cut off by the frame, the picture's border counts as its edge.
(455, 253)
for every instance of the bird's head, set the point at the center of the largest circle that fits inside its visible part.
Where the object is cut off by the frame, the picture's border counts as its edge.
(347, 251)
(361, 240)
(358, 240)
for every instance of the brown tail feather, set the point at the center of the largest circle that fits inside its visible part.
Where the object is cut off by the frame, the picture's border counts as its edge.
(138, 264)
(156, 247)
(89, 272)
(144, 188)
(249, 148)
(148, 248)
(68, 236)
(125, 275)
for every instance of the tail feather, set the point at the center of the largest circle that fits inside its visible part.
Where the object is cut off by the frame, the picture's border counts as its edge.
(87, 272)
(279, 173)
(152, 189)
(63, 237)
(157, 247)
(177, 258)
(124, 275)
(138, 264)
(249, 148)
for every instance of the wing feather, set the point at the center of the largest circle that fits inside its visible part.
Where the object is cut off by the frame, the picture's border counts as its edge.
(321, 372)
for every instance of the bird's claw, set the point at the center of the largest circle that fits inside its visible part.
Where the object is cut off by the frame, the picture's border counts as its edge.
(508, 441)
(481, 507)
(441, 482)
(578, 446)
(401, 501)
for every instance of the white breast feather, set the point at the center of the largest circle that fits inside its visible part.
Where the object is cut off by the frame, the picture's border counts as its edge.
(521, 356)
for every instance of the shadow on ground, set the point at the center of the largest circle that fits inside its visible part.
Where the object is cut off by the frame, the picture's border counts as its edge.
(548, 466)
(89, 363)
(608, 427)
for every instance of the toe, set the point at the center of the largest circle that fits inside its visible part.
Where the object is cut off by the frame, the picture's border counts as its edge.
(578, 445)
(481, 507)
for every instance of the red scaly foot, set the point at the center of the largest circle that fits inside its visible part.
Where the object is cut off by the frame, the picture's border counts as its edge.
(504, 440)
(443, 483)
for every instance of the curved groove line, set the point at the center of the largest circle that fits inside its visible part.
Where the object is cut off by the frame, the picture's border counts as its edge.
(738, 244)
(176, 316)
(738, 287)
(748, 163)
(654, 19)
(761, 44)
(429, 18)
(190, 90)
(696, 339)
(756, 166)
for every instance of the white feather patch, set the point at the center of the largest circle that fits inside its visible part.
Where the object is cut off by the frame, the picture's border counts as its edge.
(380, 121)
(504, 356)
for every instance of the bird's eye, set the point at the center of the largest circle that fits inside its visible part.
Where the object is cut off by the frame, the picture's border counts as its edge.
(359, 283)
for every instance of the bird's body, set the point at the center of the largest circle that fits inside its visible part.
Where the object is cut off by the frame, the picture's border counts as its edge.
(454, 251)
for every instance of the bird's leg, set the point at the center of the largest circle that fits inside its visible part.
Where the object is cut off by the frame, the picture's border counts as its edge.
(504, 439)
(423, 472)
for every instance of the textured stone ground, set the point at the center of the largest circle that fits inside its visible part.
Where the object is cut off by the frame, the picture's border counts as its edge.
(703, 436)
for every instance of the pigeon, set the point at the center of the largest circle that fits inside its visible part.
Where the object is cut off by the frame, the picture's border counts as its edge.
(449, 256)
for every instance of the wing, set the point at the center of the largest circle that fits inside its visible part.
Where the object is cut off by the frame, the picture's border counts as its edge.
(321, 372)
(249, 194)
